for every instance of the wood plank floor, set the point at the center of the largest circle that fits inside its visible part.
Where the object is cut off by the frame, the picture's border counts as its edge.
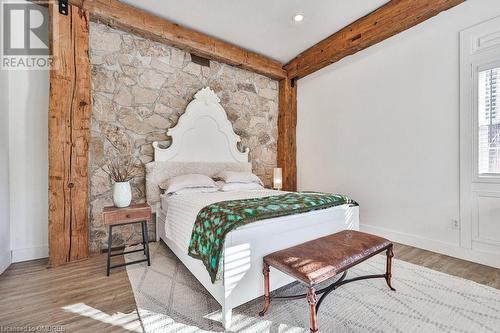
(33, 295)
(468, 270)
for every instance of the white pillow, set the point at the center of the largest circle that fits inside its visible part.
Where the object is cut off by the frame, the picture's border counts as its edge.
(178, 183)
(197, 190)
(238, 177)
(228, 187)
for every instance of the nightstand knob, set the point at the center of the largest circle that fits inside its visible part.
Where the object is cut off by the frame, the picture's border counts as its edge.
(127, 216)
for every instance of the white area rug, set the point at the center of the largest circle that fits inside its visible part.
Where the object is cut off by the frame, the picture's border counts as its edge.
(170, 299)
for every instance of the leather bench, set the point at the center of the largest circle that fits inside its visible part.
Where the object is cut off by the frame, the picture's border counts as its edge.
(319, 260)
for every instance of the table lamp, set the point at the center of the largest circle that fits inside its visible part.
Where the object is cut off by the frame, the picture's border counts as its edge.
(277, 178)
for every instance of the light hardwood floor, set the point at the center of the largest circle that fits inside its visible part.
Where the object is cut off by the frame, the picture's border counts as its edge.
(33, 295)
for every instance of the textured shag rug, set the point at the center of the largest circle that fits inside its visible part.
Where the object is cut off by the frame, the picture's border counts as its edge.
(170, 299)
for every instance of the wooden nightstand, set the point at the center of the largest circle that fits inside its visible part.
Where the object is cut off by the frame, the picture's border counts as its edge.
(113, 216)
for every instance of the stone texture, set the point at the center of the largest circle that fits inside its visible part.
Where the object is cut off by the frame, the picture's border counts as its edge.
(116, 136)
(162, 64)
(152, 79)
(140, 88)
(268, 93)
(123, 96)
(102, 80)
(144, 96)
(104, 109)
(135, 123)
(105, 41)
(246, 87)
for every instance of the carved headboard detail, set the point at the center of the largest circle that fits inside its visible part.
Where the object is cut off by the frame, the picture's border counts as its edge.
(202, 134)
(203, 141)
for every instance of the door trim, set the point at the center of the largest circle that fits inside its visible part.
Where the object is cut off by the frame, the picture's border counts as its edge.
(479, 46)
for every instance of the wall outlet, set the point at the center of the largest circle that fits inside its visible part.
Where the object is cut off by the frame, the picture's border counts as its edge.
(455, 224)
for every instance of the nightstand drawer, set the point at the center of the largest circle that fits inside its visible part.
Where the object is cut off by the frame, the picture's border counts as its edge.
(127, 215)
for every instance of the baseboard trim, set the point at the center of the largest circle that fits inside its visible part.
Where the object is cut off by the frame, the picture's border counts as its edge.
(452, 250)
(31, 253)
(5, 261)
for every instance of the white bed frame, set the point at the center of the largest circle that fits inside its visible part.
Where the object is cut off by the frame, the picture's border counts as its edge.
(204, 135)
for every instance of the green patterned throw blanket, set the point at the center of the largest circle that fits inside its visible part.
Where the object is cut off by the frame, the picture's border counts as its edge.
(215, 221)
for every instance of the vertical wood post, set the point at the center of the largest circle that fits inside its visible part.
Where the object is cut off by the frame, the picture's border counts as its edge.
(287, 137)
(70, 108)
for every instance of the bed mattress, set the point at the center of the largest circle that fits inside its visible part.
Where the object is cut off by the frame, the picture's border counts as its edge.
(181, 211)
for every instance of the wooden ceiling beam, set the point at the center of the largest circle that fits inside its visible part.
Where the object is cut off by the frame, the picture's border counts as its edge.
(125, 17)
(387, 21)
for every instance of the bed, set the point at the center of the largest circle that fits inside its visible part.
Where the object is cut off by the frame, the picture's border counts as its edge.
(203, 141)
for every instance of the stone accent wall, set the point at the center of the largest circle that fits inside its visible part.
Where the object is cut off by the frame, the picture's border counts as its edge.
(140, 88)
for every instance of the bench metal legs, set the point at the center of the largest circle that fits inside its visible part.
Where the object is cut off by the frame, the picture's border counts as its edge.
(267, 292)
(311, 299)
(388, 267)
(311, 296)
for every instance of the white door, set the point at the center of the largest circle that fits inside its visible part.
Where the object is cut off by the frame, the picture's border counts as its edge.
(480, 140)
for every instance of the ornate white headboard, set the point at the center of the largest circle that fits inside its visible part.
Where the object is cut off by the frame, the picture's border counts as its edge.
(203, 141)
(203, 133)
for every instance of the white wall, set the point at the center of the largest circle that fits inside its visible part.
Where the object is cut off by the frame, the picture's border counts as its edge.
(28, 164)
(383, 127)
(28, 142)
(5, 257)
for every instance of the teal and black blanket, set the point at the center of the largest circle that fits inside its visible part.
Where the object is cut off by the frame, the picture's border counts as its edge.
(215, 221)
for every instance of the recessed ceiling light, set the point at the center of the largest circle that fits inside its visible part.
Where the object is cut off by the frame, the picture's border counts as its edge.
(298, 17)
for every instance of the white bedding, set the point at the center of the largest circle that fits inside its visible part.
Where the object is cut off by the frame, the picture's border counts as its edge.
(239, 277)
(182, 209)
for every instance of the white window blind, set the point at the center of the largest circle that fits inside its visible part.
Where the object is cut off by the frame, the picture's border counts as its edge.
(489, 121)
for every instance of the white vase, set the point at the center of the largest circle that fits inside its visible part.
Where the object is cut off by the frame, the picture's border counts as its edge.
(122, 194)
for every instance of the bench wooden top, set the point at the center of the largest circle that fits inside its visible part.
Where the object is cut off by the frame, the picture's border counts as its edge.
(318, 260)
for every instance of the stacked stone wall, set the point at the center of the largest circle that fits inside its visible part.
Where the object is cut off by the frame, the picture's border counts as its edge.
(140, 88)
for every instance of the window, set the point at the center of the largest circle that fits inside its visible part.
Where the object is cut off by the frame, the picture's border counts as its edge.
(489, 121)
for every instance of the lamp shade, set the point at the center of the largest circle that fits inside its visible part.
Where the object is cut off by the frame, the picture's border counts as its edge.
(277, 178)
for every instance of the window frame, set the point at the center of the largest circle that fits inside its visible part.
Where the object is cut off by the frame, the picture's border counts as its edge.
(478, 66)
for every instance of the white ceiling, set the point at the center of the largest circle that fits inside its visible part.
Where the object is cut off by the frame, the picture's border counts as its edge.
(263, 26)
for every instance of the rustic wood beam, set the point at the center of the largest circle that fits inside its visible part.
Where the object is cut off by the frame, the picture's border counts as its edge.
(70, 108)
(142, 23)
(387, 21)
(287, 137)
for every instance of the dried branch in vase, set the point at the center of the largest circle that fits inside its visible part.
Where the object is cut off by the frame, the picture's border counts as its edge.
(122, 169)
